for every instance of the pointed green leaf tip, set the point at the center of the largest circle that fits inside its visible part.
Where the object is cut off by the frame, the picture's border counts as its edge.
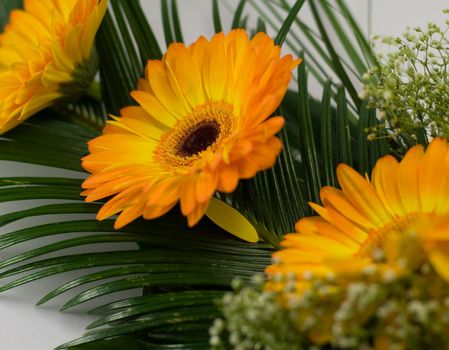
(231, 220)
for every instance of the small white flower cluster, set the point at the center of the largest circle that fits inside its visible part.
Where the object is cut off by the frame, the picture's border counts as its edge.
(409, 85)
(406, 312)
(253, 321)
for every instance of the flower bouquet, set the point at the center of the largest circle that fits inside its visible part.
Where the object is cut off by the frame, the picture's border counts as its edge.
(263, 217)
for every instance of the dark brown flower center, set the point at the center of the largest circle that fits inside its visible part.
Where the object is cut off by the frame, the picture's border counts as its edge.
(199, 138)
(199, 134)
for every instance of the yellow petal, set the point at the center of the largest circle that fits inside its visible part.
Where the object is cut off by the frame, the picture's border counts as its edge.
(384, 178)
(163, 90)
(408, 179)
(433, 176)
(187, 73)
(229, 178)
(205, 187)
(153, 107)
(215, 68)
(361, 195)
(336, 199)
(439, 257)
(231, 220)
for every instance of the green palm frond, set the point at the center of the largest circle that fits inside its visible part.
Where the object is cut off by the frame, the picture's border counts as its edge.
(184, 271)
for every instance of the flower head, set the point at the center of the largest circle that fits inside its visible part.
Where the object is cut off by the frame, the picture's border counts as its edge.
(383, 228)
(41, 49)
(201, 125)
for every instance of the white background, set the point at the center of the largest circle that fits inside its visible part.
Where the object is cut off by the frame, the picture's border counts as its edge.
(26, 327)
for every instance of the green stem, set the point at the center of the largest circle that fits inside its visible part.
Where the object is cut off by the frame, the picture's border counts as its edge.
(268, 237)
(94, 90)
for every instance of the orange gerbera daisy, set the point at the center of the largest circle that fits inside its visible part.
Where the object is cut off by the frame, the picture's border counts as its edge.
(391, 225)
(40, 50)
(201, 126)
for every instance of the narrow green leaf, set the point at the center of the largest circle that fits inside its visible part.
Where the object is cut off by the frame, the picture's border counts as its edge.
(379, 147)
(68, 243)
(335, 58)
(309, 37)
(157, 320)
(315, 69)
(23, 235)
(285, 28)
(131, 52)
(34, 142)
(154, 301)
(87, 111)
(261, 26)
(308, 148)
(23, 182)
(176, 22)
(131, 342)
(61, 208)
(194, 279)
(166, 23)
(244, 22)
(364, 145)
(142, 31)
(151, 261)
(369, 150)
(158, 302)
(364, 45)
(146, 270)
(40, 192)
(175, 235)
(327, 143)
(216, 16)
(297, 204)
(347, 44)
(236, 21)
(117, 77)
(343, 131)
(306, 33)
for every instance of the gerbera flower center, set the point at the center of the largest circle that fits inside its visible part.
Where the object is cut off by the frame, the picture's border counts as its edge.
(376, 237)
(398, 240)
(199, 138)
(197, 135)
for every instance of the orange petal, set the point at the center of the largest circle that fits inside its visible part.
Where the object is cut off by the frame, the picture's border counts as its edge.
(361, 195)
(129, 214)
(433, 176)
(407, 178)
(229, 179)
(385, 181)
(164, 192)
(205, 187)
(153, 212)
(196, 214)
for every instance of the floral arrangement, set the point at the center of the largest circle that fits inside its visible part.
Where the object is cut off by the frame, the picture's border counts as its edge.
(264, 217)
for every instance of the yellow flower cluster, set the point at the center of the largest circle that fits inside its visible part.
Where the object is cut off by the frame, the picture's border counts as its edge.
(40, 49)
(387, 226)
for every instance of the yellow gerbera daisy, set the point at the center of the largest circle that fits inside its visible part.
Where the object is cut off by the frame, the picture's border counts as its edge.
(390, 225)
(40, 49)
(201, 126)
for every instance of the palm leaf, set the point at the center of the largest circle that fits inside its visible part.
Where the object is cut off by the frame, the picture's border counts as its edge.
(174, 257)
